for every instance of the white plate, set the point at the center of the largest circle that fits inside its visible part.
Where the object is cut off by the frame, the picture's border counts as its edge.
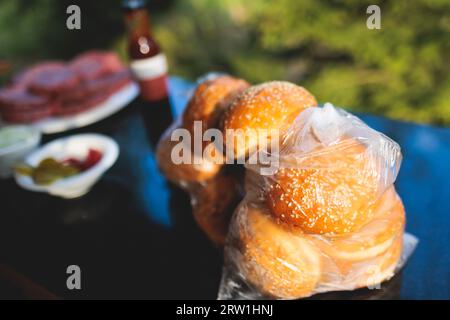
(73, 146)
(113, 104)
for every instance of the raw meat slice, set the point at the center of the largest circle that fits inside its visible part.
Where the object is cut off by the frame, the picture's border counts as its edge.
(24, 77)
(19, 97)
(75, 107)
(96, 64)
(27, 116)
(54, 80)
(109, 84)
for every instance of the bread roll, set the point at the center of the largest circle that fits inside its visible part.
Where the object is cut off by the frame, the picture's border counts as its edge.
(210, 98)
(277, 262)
(332, 191)
(272, 105)
(373, 238)
(362, 273)
(213, 203)
(183, 173)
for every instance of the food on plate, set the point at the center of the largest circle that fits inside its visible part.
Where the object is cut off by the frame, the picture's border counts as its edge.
(50, 170)
(93, 157)
(47, 171)
(331, 191)
(55, 88)
(277, 262)
(92, 93)
(26, 116)
(53, 80)
(107, 84)
(96, 64)
(20, 106)
(71, 107)
(25, 77)
(18, 98)
(213, 203)
(268, 106)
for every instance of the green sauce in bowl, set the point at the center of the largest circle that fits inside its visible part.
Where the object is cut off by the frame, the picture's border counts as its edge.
(14, 135)
(15, 143)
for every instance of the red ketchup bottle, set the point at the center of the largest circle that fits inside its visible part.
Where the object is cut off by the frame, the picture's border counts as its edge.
(149, 67)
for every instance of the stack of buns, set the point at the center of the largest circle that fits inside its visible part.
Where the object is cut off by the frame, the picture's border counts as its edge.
(214, 192)
(328, 218)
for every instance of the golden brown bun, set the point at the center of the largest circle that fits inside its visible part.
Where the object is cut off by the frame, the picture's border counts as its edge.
(363, 273)
(329, 192)
(271, 105)
(213, 203)
(181, 174)
(370, 255)
(382, 268)
(210, 98)
(373, 238)
(279, 263)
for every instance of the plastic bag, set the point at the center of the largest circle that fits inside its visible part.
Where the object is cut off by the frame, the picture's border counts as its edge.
(214, 189)
(325, 218)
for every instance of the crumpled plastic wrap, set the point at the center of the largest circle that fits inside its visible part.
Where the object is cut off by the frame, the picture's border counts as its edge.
(325, 218)
(214, 190)
(184, 175)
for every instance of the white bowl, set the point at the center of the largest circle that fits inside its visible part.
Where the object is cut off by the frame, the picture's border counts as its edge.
(16, 152)
(73, 146)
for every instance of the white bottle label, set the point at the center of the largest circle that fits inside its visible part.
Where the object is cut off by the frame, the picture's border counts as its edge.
(149, 68)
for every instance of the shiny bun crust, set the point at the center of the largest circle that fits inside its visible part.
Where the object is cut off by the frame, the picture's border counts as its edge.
(381, 268)
(330, 192)
(210, 98)
(181, 174)
(213, 203)
(364, 273)
(279, 263)
(271, 105)
(372, 239)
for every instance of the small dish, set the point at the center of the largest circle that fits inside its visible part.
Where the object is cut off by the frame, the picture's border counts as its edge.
(16, 142)
(76, 146)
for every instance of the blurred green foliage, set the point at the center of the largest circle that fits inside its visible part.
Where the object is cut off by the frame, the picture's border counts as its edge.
(36, 29)
(401, 71)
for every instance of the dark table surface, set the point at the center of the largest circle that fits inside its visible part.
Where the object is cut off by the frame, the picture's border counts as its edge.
(133, 235)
